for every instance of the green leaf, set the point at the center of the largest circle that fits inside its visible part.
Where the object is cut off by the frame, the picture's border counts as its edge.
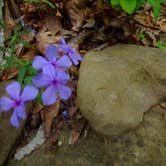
(49, 3)
(156, 7)
(39, 98)
(28, 80)
(139, 3)
(31, 71)
(128, 5)
(21, 74)
(156, 12)
(26, 44)
(160, 44)
(115, 2)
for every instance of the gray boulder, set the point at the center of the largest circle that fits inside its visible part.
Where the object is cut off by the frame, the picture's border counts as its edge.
(119, 84)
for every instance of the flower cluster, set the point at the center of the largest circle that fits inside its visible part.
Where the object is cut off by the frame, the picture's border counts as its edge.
(17, 101)
(52, 78)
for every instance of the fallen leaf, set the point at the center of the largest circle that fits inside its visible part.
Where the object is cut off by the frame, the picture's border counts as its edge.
(28, 38)
(75, 9)
(74, 135)
(38, 107)
(45, 38)
(77, 127)
(28, 55)
(73, 110)
(10, 74)
(163, 104)
(53, 22)
(49, 115)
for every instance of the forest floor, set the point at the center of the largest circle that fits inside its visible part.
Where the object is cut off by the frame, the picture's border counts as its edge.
(30, 27)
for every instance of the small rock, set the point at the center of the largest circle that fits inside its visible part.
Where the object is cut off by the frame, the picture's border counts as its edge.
(120, 83)
(36, 142)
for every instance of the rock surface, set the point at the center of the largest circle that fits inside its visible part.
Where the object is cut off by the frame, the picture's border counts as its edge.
(145, 146)
(1, 31)
(119, 84)
(8, 134)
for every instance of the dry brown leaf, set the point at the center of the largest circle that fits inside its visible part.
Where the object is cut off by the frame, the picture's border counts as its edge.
(45, 38)
(28, 8)
(50, 114)
(35, 120)
(20, 47)
(73, 110)
(29, 55)
(77, 126)
(53, 22)
(38, 107)
(74, 70)
(145, 20)
(10, 74)
(75, 9)
(10, 24)
(74, 135)
(163, 104)
(162, 24)
(83, 52)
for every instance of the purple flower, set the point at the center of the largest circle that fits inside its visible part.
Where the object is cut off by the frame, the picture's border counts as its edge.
(65, 114)
(51, 53)
(55, 81)
(70, 52)
(17, 101)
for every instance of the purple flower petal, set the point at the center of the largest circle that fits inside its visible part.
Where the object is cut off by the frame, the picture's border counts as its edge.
(63, 77)
(6, 103)
(75, 58)
(49, 96)
(14, 120)
(50, 71)
(13, 90)
(62, 41)
(29, 93)
(64, 61)
(64, 91)
(51, 52)
(41, 80)
(39, 62)
(70, 52)
(20, 111)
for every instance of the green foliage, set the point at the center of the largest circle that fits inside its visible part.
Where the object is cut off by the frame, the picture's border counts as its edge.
(12, 41)
(26, 72)
(130, 6)
(41, 1)
(141, 36)
(160, 44)
(39, 98)
(156, 7)
(115, 2)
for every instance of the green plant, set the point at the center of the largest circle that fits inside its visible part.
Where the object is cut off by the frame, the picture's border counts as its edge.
(141, 35)
(130, 6)
(160, 44)
(24, 67)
